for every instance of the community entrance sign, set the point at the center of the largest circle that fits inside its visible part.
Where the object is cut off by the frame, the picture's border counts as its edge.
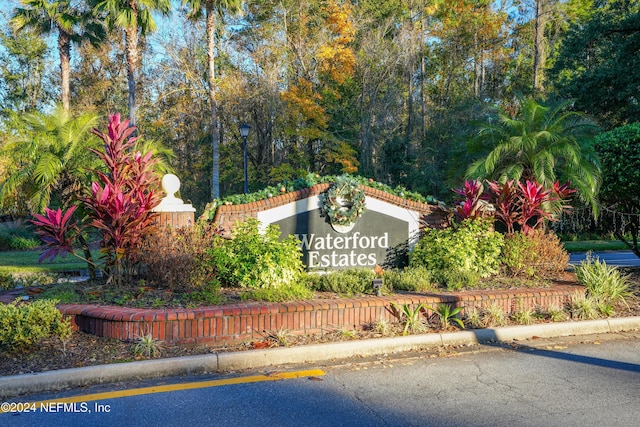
(370, 240)
(340, 227)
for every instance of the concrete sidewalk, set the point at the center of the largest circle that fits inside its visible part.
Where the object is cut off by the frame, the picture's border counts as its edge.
(69, 378)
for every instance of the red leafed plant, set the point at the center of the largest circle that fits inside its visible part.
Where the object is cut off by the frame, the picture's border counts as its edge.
(533, 197)
(503, 197)
(471, 206)
(527, 204)
(56, 231)
(119, 205)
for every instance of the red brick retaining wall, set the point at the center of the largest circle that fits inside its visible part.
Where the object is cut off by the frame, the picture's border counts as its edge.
(245, 322)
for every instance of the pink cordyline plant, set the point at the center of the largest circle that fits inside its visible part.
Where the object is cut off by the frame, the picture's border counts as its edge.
(526, 205)
(57, 232)
(119, 205)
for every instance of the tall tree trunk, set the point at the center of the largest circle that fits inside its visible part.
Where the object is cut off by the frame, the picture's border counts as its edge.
(540, 52)
(131, 42)
(215, 137)
(64, 47)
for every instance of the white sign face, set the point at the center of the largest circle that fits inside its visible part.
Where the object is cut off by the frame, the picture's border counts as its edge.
(371, 240)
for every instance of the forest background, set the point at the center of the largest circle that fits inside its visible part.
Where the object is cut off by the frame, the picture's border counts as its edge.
(392, 90)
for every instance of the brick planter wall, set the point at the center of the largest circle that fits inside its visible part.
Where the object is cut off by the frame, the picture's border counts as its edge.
(245, 322)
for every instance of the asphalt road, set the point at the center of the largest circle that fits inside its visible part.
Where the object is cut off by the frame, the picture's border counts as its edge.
(617, 258)
(588, 381)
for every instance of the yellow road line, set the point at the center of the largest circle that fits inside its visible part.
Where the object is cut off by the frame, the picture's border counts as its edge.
(186, 386)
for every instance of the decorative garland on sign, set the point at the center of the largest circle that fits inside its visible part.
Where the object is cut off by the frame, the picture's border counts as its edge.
(344, 202)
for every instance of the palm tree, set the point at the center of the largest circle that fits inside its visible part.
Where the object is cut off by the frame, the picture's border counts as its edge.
(46, 16)
(211, 8)
(51, 153)
(133, 17)
(542, 143)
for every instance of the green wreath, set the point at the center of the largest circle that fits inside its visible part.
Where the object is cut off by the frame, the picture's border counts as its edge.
(343, 203)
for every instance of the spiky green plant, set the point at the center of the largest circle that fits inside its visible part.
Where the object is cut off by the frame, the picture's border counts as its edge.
(556, 314)
(583, 307)
(147, 346)
(494, 315)
(603, 282)
(524, 316)
(411, 318)
(474, 318)
(446, 313)
(382, 327)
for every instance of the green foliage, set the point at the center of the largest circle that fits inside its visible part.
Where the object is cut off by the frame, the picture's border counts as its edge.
(24, 325)
(350, 282)
(410, 279)
(456, 255)
(255, 259)
(523, 316)
(382, 327)
(474, 318)
(494, 315)
(147, 346)
(24, 62)
(539, 255)
(604, 283)
(620, 158)
(308, 181)
(411, 317)
(6, 281)
(543, 143)
(446, 314)
(556, 314)
(596, 66)
(19, 239)
(583, 307)
(52, 151)
(456, 280)
(290, 292)
(204, 294)
(64, 293)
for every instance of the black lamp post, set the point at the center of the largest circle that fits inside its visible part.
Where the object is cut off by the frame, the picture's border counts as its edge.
(244, 131)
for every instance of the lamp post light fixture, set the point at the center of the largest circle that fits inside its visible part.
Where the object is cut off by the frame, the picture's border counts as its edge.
(244, 132)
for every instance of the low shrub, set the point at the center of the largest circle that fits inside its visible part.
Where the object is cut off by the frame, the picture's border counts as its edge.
(6, 281)
(456, 255)
(539, 254)
(19, 239)
(24, 325)
(255, 259)
(494, 315)
(177, 259)
(416, 279)
(290, 292)
(456, 280)
(350, 282)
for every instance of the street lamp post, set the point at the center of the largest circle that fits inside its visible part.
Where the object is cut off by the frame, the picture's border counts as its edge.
(244, 132)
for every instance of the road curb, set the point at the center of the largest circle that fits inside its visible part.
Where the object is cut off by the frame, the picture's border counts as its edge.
(77, 377)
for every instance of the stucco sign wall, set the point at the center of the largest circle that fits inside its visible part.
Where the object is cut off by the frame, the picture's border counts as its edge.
(387, 223)
(381, 227)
